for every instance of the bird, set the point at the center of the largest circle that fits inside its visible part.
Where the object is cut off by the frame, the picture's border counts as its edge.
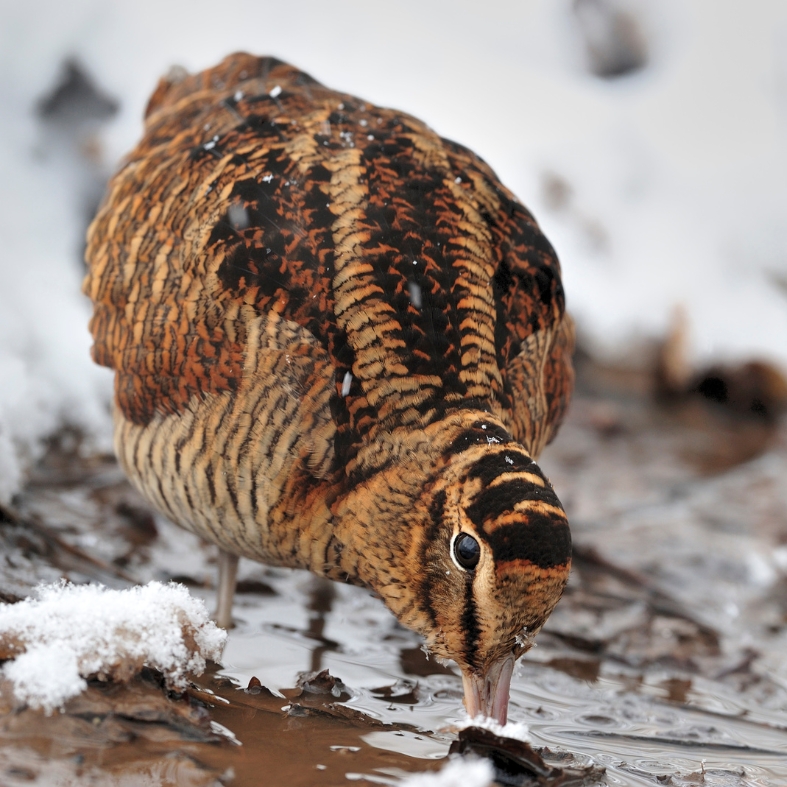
(340, 344)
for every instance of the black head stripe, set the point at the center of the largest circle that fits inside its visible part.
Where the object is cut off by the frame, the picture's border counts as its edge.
(535, 533)
(540, 539)
(480, 433)
(470, 625)
(492, 465)
(494, 501)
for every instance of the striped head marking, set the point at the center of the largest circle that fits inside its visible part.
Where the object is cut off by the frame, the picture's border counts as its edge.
(494, 563)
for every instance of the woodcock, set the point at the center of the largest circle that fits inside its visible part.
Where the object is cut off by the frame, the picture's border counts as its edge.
(339, 344)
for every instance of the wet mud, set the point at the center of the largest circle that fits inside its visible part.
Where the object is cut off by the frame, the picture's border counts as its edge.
(663, 664)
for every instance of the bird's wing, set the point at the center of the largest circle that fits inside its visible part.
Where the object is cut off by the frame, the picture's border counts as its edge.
(176, 252)
(534, 335)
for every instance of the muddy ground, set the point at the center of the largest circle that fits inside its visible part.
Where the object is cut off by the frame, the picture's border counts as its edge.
(664, 663)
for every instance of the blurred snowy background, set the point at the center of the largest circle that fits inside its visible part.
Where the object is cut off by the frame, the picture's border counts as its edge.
(649, 137)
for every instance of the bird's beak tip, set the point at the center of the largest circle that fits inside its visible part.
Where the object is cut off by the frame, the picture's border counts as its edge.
(486, 693)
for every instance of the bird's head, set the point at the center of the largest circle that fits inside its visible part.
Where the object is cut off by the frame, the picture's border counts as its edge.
(492, 553)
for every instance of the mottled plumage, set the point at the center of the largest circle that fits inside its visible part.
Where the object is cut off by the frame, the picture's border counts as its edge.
(339, 343)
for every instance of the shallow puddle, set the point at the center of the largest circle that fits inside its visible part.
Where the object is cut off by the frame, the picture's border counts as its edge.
(663, 663)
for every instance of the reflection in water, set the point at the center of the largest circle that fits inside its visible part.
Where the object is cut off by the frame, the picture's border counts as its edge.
(415, 661)
(321, 596)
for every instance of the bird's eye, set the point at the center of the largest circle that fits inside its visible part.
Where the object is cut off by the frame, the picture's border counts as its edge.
(467, 551)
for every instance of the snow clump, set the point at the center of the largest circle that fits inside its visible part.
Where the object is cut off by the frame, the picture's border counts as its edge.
(458, 773)
(516, 730)
(66, 633)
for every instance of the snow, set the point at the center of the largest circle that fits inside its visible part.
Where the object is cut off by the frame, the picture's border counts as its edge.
(457, 773)
(512, 729)
(71, 632)
(662, 187)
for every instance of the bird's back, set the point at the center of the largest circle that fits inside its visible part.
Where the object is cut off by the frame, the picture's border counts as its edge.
(285, 278)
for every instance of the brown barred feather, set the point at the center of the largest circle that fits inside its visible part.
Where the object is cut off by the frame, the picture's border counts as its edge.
(339, 342)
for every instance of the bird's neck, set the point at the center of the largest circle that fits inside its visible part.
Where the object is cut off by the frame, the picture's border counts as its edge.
(382, 516)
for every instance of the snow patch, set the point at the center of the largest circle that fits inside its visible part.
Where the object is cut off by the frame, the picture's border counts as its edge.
(458, 773)
(512, 729)
(66, 633)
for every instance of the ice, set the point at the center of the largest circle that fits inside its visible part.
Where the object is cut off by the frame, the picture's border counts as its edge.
(457, 773)
(66, 633)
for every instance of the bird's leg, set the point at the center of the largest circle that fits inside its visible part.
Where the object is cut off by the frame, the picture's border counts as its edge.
(228, 576)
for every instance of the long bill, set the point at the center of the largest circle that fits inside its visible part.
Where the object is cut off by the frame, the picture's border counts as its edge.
(486, 694)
